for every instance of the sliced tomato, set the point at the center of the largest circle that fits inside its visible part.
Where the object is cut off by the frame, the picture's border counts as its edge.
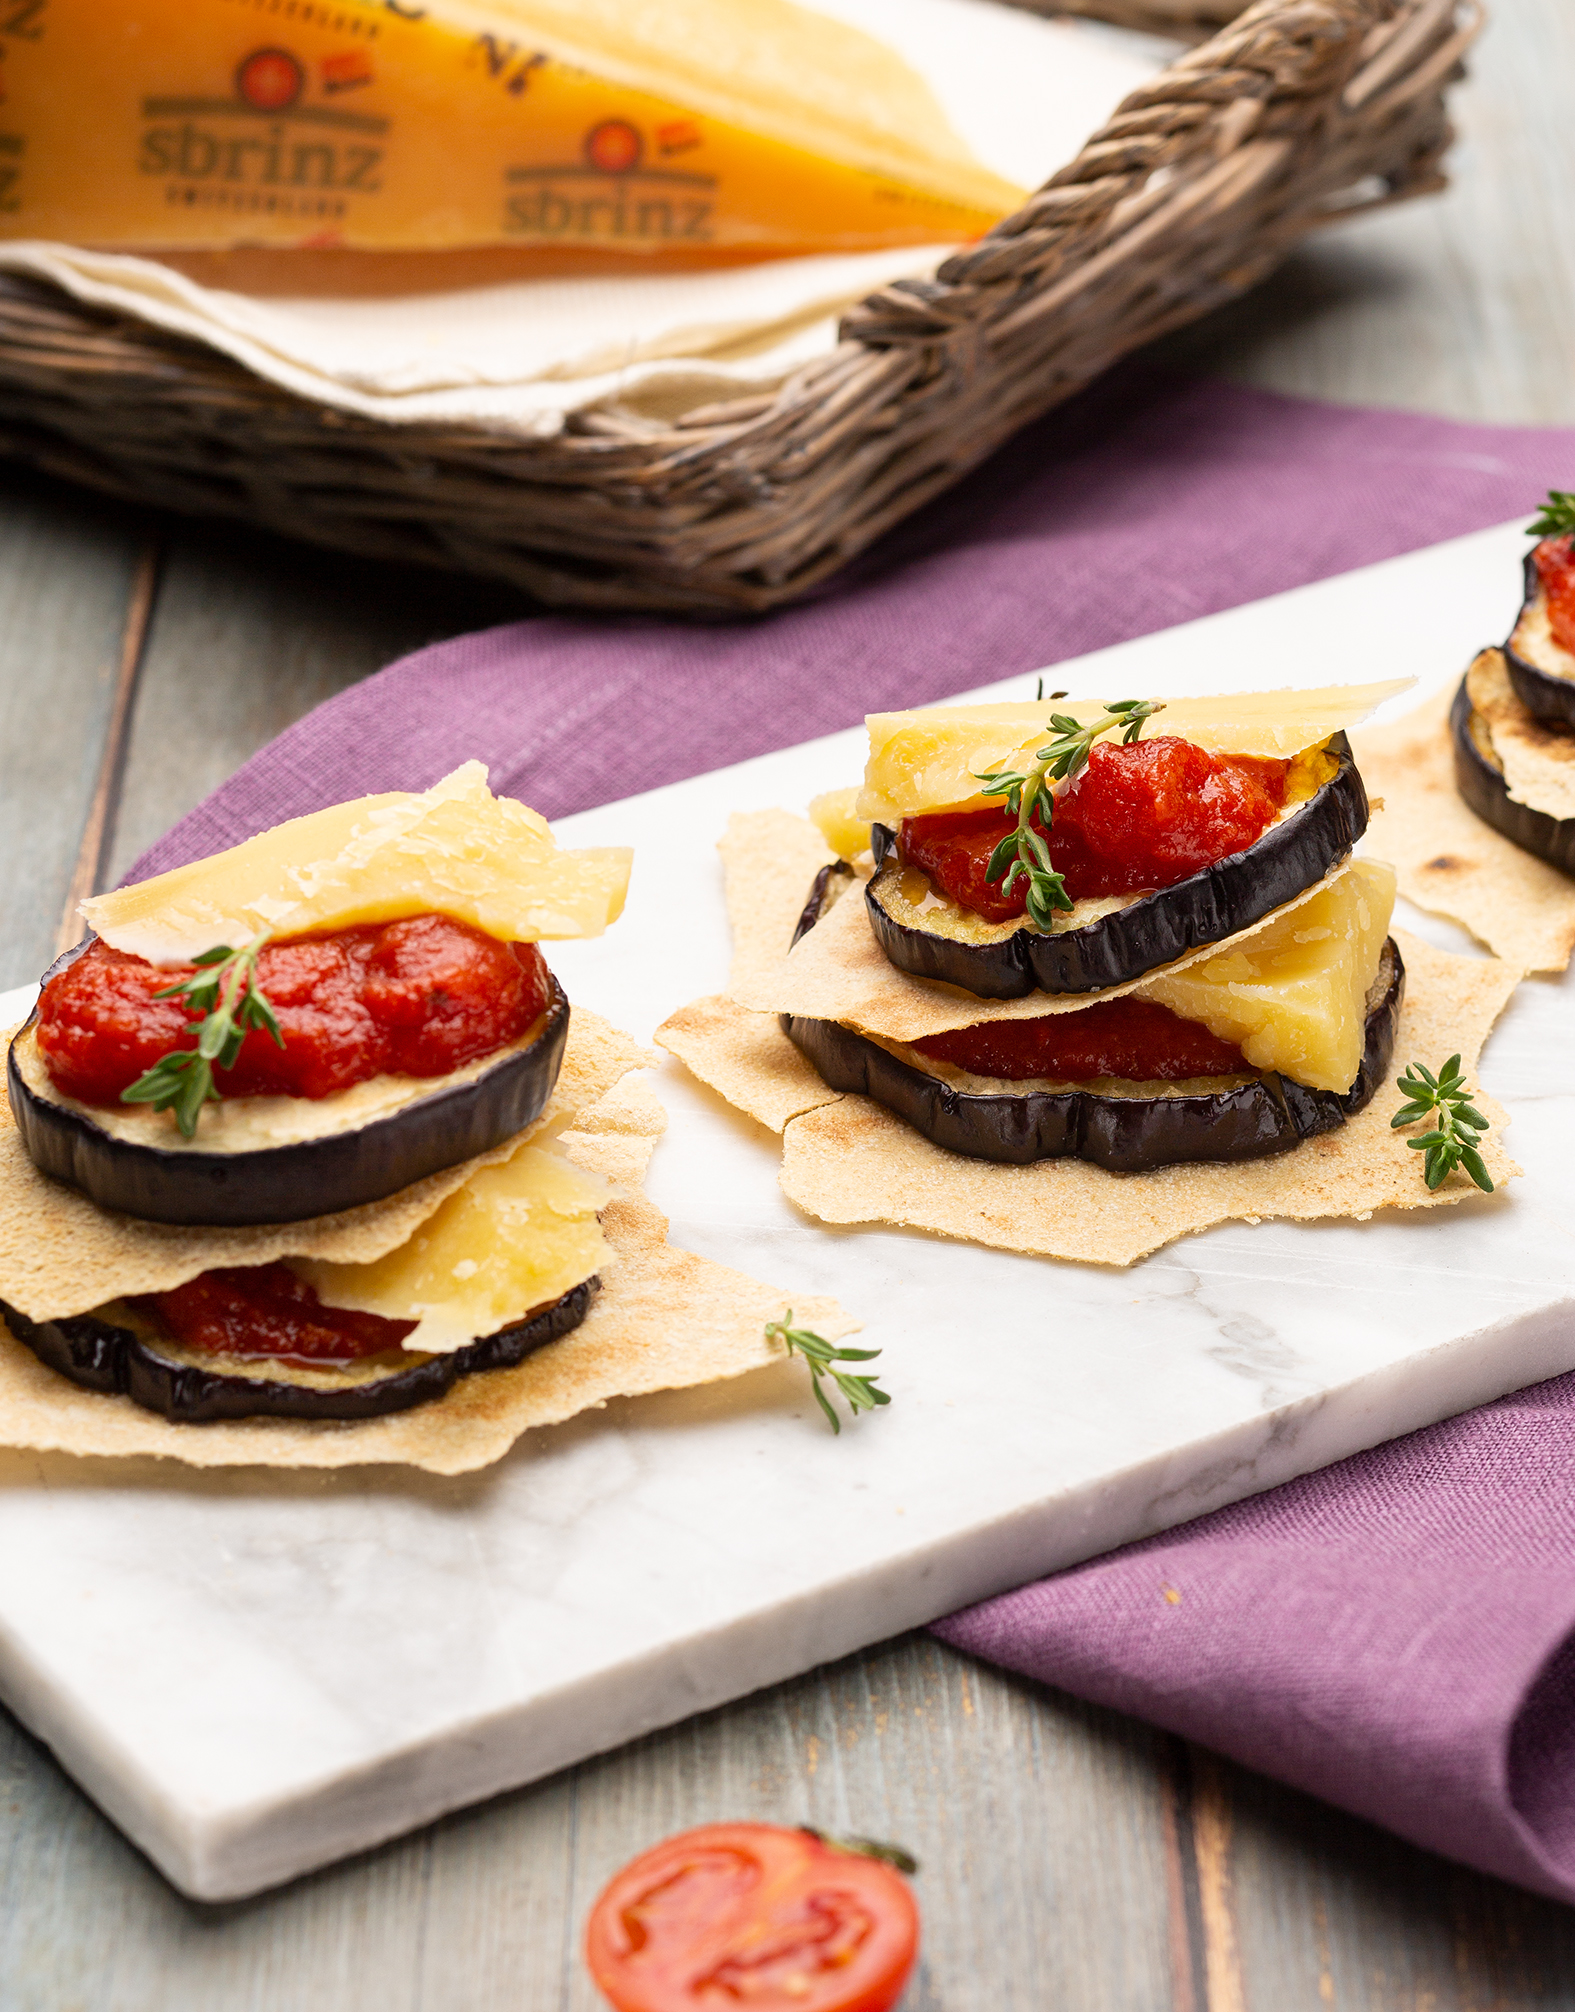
(751, 1916)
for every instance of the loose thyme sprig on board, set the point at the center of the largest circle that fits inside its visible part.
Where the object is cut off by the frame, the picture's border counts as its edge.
(860, 1393)
(1456, 1134)
(1557, 515)
(224, 995)
(1024, 851)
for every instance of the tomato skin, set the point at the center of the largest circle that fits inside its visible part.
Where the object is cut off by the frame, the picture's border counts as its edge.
(749, 1915)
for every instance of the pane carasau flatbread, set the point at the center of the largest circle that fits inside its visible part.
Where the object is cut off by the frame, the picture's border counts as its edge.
(664, 1320)
(848, 1160)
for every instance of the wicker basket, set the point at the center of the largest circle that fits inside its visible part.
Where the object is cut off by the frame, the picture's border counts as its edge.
(1300, 113)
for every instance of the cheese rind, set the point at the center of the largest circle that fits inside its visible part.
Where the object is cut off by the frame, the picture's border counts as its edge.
(1294, 996)
(454, 849)
(930, 760)
(515, 1237)
(632, 126)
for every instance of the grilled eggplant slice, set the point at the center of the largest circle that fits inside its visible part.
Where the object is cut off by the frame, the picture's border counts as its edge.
(1482, 786)
(1250, 1119)
(1534, 659)
(1153, 929)
(286, 1183)
(123, 1361)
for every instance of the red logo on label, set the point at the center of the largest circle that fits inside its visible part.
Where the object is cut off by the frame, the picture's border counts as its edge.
(615, 147)
(270, 79)
(345, 72)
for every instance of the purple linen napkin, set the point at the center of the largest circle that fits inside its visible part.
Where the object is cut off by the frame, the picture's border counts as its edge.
(1390, 1634)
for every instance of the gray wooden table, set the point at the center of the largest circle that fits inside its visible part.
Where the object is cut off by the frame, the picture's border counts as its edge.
(1071, 1858)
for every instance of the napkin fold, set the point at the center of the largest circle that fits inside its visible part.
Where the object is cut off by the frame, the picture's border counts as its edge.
(1396, 1633)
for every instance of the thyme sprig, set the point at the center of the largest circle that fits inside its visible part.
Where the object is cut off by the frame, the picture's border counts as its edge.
(1457, 1129)
(1557, 515)
(227, 1001)
(859, 1393)
(1024, 852)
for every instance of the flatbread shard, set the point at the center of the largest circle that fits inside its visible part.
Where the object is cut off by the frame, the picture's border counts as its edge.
(746, 1058)
(664, 1320)
(60, 1254)
(1448, 861)
(769, 860)
(854, 1162)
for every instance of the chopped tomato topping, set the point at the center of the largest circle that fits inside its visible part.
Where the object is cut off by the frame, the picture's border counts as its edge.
(1139, 816)
(419, 997)
(745, 1914)
(1132, 1038)
(265, 1310)
(1555, 559)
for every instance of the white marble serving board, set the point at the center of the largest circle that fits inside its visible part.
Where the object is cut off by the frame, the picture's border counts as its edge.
(256, 1673)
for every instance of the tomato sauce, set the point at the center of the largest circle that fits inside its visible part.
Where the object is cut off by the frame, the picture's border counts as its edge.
(265, 1310)
(1555, 561)
(1138, 817)
(1137, 1039)
(419, 997)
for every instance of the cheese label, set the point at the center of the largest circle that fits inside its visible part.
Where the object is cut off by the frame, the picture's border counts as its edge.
(645, 126)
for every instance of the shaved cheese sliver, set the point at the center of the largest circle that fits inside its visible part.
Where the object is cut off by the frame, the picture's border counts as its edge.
(1294, 997)
(930, 760)
(454, 849)
(514, 1237)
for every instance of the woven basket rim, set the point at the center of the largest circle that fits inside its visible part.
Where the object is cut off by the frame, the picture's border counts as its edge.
(1196, 186)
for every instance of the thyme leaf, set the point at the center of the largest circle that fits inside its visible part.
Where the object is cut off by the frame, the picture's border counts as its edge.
(227, 1001)
(859, 1393)
(1024, 852)
(1557, 516)
(1457, 1126)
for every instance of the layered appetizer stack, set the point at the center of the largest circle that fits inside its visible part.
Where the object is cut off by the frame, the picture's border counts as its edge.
(1513, 718)
(1076, 856)
(1063, 946)
(293, 1136)
(1479, 782)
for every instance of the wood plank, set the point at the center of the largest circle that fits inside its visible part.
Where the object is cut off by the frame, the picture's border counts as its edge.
(1329, 1911)
(67, 568)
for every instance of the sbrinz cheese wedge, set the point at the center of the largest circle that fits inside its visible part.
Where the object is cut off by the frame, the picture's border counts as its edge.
(624, 126)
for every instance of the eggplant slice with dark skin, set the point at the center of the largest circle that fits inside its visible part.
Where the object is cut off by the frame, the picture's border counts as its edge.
(104, 1356)
(1545, 695)
(291, 1183)
(1484, 790)
(1253, 1120)
(1155, 929)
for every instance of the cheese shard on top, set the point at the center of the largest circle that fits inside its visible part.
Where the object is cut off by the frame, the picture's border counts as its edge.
(454, 849)
(643, 126)
(929, 760)
(514, 1238)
